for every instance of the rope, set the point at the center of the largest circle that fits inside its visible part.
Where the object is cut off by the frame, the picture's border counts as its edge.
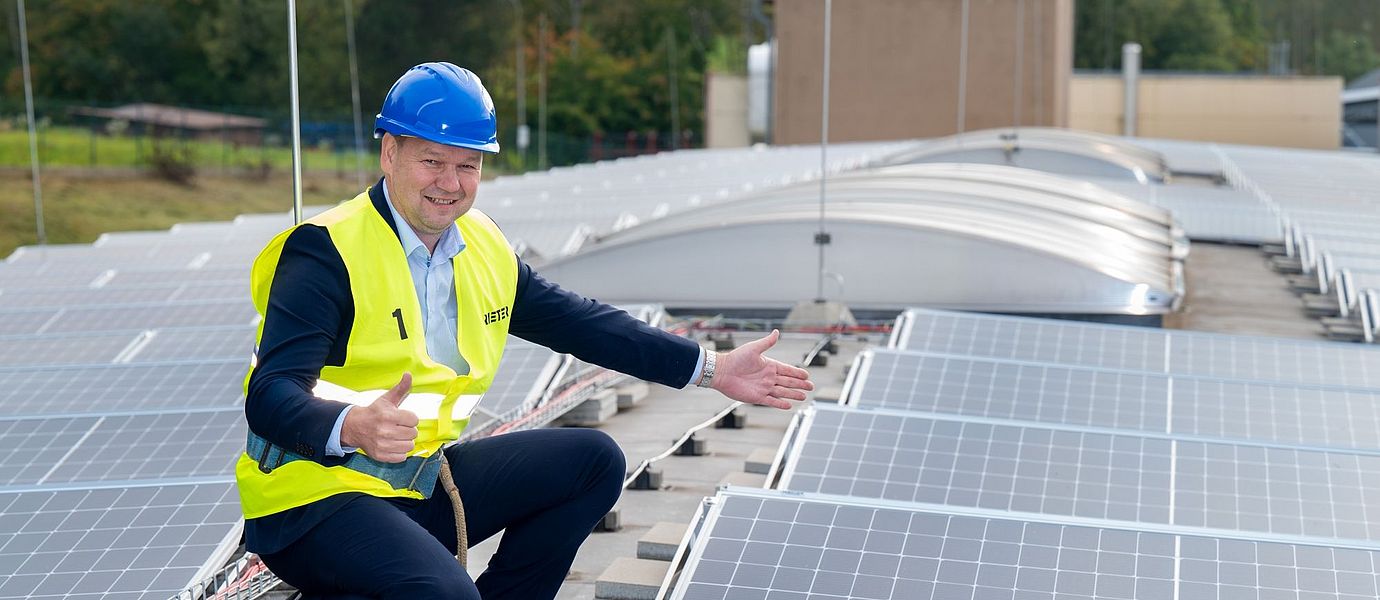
(462, 542)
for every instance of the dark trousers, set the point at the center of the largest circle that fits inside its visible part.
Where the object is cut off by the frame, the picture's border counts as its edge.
(546, 489)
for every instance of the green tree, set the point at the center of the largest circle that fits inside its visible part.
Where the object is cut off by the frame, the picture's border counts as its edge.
(1196, 37)
(1347, 54)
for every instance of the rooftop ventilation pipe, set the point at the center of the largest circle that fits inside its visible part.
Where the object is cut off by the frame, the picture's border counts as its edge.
(1130, 79)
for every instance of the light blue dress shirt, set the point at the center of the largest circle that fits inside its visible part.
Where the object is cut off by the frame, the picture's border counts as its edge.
(433, 278)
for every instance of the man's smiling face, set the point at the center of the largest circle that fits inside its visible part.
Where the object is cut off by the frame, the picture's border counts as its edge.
(430, 185)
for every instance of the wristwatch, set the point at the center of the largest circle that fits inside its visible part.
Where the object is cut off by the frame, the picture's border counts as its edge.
(707, 373)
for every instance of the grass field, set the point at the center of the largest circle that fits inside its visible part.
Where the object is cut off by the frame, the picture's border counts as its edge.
(77, 209)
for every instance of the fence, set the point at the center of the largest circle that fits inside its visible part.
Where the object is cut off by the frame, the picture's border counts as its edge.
(231, 140)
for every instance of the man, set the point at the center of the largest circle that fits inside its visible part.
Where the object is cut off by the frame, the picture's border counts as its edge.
(408, 288)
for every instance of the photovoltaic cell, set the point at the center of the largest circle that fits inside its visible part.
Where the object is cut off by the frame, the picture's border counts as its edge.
(63, 349)
(209, 343)
(913, 459)
(138, 277)
(1341, 418)
(1141, 349)
(99, 389)
(1222, 408)
(31, 449)
(151, 316)
(135, 543)
(65, 450)
(83, 296)
(83, 319)
(211, 291)
(1129, 477)
(146, 447)
(1012, 390)
(524, 367)
(803, 548)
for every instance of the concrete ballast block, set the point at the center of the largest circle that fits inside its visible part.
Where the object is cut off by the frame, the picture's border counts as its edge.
(597, 409)
(631, 579)
(759, 461)
(741, 479)
(630, 394)
(661, 541)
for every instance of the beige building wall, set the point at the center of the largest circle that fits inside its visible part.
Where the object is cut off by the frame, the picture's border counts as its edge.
(726, 111)
(1299, 112)
(895, 69)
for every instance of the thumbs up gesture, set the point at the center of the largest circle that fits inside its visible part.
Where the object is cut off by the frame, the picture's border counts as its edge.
(383, 430)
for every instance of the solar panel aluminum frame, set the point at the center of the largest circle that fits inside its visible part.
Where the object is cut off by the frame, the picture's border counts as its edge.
(710, 511)
(788, 453)
(224, 551)
(1168, 336)
(688, 543)
(786, 450)
(901, 330)
(857, 372)
(1177, 464)
(857, 378)
(865, 359)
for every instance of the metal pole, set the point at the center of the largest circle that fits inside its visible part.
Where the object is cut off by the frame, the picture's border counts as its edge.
(821, 237)
(33, 125)
(1018, 93)
(354, 92)
(675, 101)
(541, 95)
(1130, 79)
(296, 115)
(524, 134)
(963, 69)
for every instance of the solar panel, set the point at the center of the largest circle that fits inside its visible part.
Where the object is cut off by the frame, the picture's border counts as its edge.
(1210, 407)
(525, 370)
(199, 343)
(764, 545)
(156, 447)
(31, 449)
(112, 543)
(125, 317)
(119, 447)
(940, 383)
(136, 277)
(1139, 349)
(212, 290)
(83, 296)
(109, 388)
(17, 350)
(1088, 473)
(149, 316)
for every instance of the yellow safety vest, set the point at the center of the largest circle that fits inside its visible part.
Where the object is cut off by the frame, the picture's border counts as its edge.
(377, 355)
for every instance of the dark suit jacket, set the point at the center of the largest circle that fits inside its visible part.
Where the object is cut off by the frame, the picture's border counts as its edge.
(307, 325)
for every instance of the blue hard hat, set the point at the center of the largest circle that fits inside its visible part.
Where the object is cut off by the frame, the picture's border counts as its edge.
(442, 103)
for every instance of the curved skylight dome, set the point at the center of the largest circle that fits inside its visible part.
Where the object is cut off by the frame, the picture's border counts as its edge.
(894, 241)
(1058, 151)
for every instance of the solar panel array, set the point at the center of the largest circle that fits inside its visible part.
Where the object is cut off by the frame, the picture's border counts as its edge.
(122, 362)
(1328, 204)
(1001, 457)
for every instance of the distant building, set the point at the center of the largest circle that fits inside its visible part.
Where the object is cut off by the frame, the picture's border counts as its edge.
(1359, 101)
(163, 120)
(920, 68)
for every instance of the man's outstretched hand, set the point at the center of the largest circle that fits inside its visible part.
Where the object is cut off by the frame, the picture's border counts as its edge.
(747, 376)
(383, 430)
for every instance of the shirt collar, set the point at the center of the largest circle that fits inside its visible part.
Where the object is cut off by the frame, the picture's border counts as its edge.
(447, 247)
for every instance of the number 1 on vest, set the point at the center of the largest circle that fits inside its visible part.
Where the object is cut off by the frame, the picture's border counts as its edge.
(402, 331)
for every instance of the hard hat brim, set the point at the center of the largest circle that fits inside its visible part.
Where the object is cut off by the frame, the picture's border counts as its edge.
(386, 125)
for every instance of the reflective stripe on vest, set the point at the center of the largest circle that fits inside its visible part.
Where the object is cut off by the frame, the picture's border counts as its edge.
(387, 339)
